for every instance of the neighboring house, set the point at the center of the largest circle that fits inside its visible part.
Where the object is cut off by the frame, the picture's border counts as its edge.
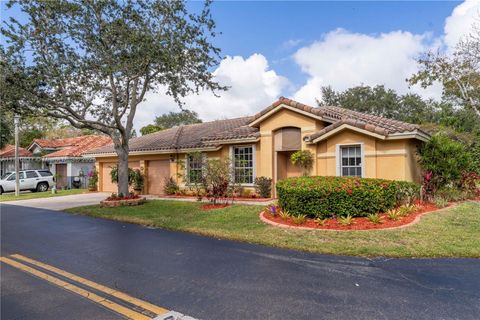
(64, 157)
(26, 159)
(343, 142)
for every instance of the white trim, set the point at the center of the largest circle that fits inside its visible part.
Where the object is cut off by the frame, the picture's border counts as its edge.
(280, 107)
(394, 136)
(343, 127)
(339, 158)
(254, 163)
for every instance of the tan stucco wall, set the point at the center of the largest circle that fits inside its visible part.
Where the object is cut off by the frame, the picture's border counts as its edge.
(386, 159)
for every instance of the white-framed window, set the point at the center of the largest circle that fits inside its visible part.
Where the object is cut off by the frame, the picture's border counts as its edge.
(350, 160)
(194, 168)
(243, 161)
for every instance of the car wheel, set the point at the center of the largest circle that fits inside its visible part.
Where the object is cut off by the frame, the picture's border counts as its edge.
(1, 190)
(42, 187)
(33, 190)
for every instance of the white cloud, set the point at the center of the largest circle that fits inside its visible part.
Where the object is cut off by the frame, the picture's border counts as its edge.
(343, 59)
(460, 22)
(253, 86)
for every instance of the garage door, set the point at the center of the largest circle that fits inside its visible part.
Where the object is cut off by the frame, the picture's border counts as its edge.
(158, 171)
(107, 184)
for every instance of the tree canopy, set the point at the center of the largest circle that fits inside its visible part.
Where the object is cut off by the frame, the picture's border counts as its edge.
(150, 128)
(92, 62)
(174, 119)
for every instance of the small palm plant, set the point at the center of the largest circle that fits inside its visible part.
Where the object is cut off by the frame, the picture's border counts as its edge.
(284, 214)
(393, 214)
(299, 219)
(346, 221)
(321, 221)
(374, 218)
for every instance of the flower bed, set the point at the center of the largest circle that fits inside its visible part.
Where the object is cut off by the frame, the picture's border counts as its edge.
(116, 201)
(210, 206)
(323, 197)
(174, 196)
(358, 223)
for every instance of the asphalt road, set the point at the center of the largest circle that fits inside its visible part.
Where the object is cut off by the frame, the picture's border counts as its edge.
(209, 278)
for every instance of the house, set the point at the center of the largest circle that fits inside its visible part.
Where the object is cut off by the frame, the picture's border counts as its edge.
(26, 159)
(64, 157)
(343, 142)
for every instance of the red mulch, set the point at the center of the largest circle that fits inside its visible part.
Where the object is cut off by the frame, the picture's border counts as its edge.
(210, 206)
(360, 223)
(236, 198)
(129, 197)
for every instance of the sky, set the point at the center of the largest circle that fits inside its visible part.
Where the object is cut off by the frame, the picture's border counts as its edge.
(293, 48)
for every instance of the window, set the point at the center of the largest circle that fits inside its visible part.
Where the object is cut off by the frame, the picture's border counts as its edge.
(194, 172)
(243, 164)
(351, 161)
(12, 177)
(45, 173)
(31, 174)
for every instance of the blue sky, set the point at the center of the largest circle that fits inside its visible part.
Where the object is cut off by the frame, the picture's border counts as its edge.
(293, 48)
(269, 27)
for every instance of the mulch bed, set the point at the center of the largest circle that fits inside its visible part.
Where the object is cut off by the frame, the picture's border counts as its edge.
(211, 206)
(174, 196)
(360, 223)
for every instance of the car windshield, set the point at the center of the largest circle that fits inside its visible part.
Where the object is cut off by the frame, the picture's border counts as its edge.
(5, 175)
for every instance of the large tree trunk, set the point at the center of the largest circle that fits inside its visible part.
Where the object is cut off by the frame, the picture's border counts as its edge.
(122, 153)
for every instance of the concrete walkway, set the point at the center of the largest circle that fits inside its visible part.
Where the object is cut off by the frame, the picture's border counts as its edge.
(61, 202)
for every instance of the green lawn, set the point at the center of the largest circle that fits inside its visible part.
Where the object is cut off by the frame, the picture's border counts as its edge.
(35, 195)
(451, 233)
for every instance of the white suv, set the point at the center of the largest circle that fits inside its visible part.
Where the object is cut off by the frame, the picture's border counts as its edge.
(33, 180)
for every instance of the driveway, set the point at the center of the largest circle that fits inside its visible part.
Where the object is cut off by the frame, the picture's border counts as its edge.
(62, 202)
(208, 278)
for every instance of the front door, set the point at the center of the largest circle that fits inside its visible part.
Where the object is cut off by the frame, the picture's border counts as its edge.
(61, 175)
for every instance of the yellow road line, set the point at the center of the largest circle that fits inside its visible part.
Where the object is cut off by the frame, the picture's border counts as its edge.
(120, 295)
(72, 288)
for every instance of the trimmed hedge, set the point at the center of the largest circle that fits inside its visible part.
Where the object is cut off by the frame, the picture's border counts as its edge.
(323, 197)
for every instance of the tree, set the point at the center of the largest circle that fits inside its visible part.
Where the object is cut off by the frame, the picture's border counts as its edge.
(92, 62)
(174, 119)
(381, 102)
(459, 72)
(150, 128)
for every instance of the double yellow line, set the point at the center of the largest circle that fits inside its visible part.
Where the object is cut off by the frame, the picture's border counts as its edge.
(122, 310)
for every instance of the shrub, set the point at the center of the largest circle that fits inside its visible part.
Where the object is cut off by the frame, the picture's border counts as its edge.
(444, 160)
(138, 180)
(405, 210)
(299, 219)
(216, 179)
(263, 186)
(374, 218)
(92, 179)
(346, 221)
(322, 197)
(170, 187)
(114, 175)
(284, 214)
(393, 214)
(451, 193)
(303, 159)
(321, 222)
(440, 202)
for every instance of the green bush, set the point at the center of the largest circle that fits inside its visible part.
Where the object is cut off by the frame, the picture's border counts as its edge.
(263, 186)
(445, 159)
(170, 186)
(322, 197)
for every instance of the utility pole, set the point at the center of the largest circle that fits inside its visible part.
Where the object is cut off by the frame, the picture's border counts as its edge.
(17, 160)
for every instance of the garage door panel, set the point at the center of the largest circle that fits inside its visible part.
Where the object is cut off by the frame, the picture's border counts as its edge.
(107, 185)
(157, 172)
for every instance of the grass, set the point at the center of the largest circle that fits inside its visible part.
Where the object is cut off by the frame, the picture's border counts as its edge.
(450, 233)
(36, 195)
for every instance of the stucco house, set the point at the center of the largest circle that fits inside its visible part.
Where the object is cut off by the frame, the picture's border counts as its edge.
(64, 157)
(26, 159)
(343, 142)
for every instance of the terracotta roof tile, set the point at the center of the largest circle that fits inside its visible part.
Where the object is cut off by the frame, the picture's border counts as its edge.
(209, 134)
(8, 151)
(75, 147)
